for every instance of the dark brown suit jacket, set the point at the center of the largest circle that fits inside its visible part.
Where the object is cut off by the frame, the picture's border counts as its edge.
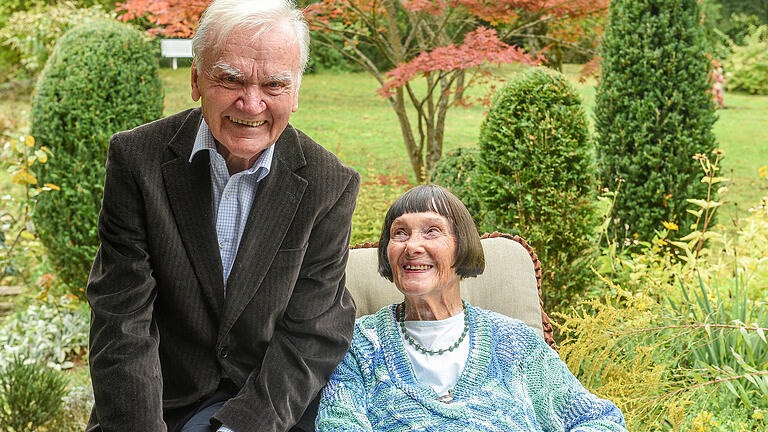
(162, 331)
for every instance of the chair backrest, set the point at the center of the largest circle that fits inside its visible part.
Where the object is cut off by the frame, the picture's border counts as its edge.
(510, 284)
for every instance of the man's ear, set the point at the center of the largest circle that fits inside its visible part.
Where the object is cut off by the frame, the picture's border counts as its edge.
(193, 81)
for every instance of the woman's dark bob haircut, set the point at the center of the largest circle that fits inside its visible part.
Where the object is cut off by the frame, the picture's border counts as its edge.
(470, 260)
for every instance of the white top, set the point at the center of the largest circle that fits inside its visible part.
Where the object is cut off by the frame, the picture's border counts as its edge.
(440, 372)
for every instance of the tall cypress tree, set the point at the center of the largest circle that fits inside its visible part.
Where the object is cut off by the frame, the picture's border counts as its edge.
(653, 112)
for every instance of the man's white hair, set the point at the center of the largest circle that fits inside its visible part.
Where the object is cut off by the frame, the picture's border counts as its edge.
(222, 16)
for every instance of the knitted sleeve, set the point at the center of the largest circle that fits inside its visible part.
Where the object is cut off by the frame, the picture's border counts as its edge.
(343, 403)
(559, 400)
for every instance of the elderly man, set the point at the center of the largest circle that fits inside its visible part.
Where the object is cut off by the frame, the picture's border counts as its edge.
(217, 295)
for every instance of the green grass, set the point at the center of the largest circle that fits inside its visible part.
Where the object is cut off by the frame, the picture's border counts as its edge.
(342, 112)
(742, 131)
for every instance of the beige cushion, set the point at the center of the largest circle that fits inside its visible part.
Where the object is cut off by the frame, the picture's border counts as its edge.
(507, 286)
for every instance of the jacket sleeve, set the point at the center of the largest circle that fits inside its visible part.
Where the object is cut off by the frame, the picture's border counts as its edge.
(125, 368)
(313, 334)
(343, 402)
(559, 400)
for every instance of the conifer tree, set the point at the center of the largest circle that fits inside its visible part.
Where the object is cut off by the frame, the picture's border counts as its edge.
(653, 112)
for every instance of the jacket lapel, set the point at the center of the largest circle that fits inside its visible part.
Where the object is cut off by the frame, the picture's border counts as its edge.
(274, 207)
(188, 186)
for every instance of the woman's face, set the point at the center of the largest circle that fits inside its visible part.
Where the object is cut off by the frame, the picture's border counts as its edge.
(421, 252)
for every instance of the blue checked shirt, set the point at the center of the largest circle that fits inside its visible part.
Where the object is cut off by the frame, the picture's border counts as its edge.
(232, 196)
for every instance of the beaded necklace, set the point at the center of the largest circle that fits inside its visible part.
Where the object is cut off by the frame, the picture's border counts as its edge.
(401, 320)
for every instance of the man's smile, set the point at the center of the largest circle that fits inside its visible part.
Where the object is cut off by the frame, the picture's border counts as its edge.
(247, 123)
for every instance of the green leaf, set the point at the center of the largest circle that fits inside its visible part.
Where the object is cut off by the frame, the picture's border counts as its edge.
(42, 156)
(704, 204)
(692, 236)
(713, 180)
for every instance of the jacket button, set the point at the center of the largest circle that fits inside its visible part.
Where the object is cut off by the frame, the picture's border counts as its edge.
(224, 352)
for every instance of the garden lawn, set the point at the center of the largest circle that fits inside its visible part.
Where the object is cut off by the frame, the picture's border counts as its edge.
(342, 112)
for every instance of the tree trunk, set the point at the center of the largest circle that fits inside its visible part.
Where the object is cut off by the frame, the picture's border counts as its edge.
(414, 152)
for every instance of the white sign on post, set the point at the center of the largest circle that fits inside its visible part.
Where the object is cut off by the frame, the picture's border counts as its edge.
(176, 48)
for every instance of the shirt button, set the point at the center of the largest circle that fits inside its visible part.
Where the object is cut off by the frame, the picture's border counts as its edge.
(224, 352)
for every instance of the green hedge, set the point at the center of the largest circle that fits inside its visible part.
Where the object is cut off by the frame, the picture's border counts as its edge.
(458, 171)
(102, 78)
(653, 112)
(536, 177)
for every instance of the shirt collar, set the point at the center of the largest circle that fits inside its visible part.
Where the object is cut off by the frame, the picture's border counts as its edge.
(205, 141)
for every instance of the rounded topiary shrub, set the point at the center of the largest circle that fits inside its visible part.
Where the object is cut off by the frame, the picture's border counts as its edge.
(101, 78)
(458, 171)
(653, 112)
(538, 176)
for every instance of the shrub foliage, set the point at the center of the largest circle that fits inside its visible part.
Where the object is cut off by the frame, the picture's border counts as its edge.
(30, 395)
(458, 170)
(32, 44)
(652, 111)
(101, 79)
(748, 64)
(536, 176)
(674, 333)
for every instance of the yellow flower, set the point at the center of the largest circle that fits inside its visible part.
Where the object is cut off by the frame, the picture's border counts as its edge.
(662, 242)
(702, 422)
(670, 226)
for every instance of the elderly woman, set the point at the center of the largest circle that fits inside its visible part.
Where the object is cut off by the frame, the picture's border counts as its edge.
(435, 362)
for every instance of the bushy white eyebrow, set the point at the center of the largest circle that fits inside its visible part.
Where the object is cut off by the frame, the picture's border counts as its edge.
(228, 69)
(285, 77)
(281, 77)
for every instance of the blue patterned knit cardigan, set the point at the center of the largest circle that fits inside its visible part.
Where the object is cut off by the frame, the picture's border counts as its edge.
(512, 381)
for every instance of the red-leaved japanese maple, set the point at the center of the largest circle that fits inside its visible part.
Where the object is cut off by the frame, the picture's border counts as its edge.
(448, 45)
(423, 53)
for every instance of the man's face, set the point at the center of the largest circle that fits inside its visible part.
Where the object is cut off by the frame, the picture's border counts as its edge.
(248, 91)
